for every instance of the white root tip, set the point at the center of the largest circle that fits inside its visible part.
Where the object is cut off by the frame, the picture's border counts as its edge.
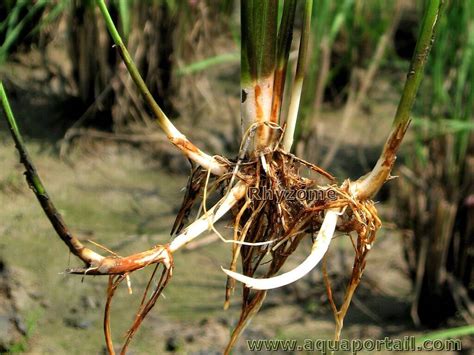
(320, 246)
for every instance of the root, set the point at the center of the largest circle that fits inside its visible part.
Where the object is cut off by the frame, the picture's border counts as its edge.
(319, 249)
(144, 309)
(286, 222)
(114, 282)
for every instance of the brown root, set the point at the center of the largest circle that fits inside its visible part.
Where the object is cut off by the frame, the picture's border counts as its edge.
(145, 306)
(365, 222)
(286, 221)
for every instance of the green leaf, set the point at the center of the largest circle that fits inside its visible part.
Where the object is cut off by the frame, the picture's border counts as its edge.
(447, 333)
(208, 63)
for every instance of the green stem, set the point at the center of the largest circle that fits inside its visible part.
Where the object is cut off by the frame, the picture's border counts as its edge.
(417, 66)
(285, 37)
(299, 78)
(258, 63)
(35, 183)
(285, 33)
(163, 120)
(174, 135)
(367, 186)
(259, 39)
